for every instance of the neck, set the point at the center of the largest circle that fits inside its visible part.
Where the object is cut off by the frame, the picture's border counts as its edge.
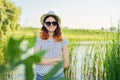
(51, 33)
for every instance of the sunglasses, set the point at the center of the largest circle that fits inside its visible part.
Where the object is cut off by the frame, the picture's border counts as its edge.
(54, 23)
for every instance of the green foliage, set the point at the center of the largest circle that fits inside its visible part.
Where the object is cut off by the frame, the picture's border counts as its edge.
(29, 64)
(13, 51)
(112, 59)
(86, 34)
(9, 17)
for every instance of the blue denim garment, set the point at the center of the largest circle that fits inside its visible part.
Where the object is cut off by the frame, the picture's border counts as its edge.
(39, 77)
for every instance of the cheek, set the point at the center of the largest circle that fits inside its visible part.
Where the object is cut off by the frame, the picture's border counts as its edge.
(55, 27)
(46, 27)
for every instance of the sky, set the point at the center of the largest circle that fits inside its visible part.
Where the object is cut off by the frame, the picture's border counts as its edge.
(85, 14)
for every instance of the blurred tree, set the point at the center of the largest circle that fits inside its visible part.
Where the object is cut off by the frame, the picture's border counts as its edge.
(102, 28)
(9, 17)
(112, 28)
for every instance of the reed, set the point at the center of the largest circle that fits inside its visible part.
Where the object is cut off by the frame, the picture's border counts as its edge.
(112, 59)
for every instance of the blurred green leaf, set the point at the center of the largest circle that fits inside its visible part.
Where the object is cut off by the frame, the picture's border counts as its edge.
(32, 41)
(13, 51)
(2, 68)
(13, 56)
(29, 64)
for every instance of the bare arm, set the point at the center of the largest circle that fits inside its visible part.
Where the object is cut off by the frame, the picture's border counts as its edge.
(66, 56)
(51, 61)
(47, 60)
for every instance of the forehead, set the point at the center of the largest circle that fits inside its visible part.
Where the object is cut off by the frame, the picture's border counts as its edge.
(50, 19)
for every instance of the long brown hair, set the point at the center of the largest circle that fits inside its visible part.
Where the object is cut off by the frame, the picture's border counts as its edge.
(57, 33)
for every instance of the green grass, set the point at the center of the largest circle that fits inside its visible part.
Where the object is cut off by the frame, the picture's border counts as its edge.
(77, 34)
(112, 59)
(87, 35)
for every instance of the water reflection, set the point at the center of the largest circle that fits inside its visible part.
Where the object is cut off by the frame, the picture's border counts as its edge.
(87, 61)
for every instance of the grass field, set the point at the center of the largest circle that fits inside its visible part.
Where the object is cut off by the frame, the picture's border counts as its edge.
(78, 34)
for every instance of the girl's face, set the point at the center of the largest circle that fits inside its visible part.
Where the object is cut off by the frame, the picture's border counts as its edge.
(50, 24)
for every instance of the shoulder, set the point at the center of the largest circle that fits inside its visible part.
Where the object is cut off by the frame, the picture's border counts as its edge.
(38, 37)
(65, 41)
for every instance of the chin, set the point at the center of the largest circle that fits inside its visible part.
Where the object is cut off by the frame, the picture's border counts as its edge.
(51, 30)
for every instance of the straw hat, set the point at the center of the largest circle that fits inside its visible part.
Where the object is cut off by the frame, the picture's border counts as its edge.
(47, 14)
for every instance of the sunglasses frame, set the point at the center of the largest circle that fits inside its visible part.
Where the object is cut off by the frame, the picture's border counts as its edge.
(54, 23)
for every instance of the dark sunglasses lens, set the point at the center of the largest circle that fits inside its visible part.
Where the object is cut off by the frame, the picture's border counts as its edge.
(54, 23)
(48, 23)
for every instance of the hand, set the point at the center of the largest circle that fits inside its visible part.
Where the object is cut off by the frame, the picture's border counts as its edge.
(59, 59)
(56, 60)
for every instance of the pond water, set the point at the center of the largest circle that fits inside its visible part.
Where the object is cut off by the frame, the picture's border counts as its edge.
(87, 61)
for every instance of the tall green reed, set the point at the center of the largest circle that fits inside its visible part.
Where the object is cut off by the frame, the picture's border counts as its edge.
(112, 58)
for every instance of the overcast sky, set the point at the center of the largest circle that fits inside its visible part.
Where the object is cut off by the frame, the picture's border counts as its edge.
(92, 14)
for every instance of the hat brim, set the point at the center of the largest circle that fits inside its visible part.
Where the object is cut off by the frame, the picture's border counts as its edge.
(43, 16)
